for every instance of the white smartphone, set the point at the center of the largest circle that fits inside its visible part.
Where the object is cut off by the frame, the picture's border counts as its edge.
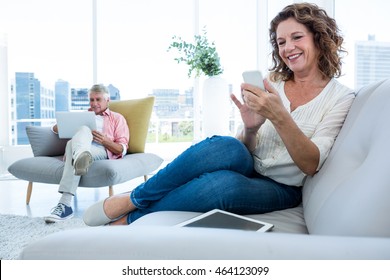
(254, 78)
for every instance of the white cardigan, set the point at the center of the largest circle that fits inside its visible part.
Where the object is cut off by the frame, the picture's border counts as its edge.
(320, 120)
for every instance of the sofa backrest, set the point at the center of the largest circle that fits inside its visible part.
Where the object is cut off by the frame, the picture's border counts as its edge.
(350, 195)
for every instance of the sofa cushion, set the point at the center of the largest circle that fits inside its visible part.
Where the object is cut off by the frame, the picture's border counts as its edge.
(285, 221)
(137, 113)
(350, 195)
(44, 142)
(101, 173)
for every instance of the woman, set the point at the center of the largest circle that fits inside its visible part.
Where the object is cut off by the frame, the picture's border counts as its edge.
(288, 131)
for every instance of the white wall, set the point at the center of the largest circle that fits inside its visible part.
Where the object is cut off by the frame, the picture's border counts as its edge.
(4, 114)
(10, 154)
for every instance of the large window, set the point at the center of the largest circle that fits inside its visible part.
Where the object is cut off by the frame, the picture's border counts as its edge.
(133, 38)
(44, 41)
(367, 40)
(232, 26)
(51, 39)
(55, 46)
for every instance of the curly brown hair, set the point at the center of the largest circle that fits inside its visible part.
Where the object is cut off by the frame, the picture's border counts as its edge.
(327, 39)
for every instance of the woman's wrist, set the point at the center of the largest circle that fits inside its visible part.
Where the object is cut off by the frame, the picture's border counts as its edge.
(249, 138)
(250, 132)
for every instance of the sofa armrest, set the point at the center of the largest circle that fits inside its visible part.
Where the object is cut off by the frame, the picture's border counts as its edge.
(151, 242)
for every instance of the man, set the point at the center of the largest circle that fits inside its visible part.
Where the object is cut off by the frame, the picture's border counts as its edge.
(108, 141)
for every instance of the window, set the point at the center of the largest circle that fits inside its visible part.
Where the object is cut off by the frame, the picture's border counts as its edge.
(367, 41)
(44, 41)
(50, 45)
(51, 39)
(133, 38)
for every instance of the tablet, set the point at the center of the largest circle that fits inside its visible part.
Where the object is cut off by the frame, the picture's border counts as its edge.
(221, 219)
(69, 122)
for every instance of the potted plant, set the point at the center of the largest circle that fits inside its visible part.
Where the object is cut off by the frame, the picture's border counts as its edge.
(201, 56)
(202, 59)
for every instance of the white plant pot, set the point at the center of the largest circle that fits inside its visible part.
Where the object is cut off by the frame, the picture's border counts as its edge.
(215, 107)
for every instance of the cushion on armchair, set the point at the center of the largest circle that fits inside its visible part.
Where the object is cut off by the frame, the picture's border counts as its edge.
(137, 113)
(44, 142)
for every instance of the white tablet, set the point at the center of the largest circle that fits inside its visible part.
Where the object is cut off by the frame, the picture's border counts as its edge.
(69, 122)
(221, 219)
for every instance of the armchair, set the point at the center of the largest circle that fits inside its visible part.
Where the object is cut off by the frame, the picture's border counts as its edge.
(46, 166)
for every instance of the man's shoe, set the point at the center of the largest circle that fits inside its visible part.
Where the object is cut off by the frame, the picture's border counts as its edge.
(82, 163)
(59, 213)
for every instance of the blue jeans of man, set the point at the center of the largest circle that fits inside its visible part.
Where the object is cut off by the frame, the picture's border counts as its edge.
(214, 173)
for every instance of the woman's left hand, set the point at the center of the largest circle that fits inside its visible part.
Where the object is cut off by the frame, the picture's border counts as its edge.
(265, 103)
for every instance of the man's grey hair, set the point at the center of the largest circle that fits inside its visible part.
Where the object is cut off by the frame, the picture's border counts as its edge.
(100, 88)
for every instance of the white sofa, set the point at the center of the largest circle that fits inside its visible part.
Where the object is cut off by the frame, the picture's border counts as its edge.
(344, 214)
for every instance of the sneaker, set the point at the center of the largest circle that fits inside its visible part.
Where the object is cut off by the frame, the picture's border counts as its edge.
(82, 163)
(59, 213)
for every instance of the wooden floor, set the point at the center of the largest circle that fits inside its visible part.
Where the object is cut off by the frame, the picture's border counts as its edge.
(44, 197)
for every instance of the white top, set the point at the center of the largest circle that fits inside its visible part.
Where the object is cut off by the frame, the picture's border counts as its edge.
(320, 120)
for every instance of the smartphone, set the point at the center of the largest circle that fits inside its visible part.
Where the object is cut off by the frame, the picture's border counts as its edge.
(255, 78)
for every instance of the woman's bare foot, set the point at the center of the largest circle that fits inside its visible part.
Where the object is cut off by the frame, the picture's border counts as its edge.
(118, 205)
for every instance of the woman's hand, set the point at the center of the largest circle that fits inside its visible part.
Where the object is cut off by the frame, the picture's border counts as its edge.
(265, 103)
(252, 112)
(252, 120)
(259, 105)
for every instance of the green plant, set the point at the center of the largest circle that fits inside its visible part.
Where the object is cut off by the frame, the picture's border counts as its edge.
(201, 56)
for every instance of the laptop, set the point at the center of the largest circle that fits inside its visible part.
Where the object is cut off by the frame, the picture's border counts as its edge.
(69, 122)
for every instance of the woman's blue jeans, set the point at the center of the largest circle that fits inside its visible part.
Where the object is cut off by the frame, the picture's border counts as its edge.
(214, 173)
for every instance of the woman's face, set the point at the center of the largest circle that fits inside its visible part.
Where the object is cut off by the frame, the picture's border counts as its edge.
(296, 47)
